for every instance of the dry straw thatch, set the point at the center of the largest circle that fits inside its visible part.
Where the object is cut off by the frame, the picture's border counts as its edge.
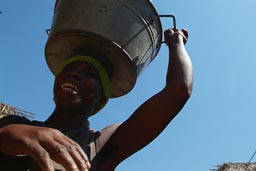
(237, 167)
(10, 110)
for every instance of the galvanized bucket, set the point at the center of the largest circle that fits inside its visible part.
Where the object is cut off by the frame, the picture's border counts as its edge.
(126, 32)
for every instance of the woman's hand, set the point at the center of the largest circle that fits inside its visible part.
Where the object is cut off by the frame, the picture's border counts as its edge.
(173, 36)
(43, 144)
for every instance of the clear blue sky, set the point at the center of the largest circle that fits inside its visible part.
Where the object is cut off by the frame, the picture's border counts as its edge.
(217, 124)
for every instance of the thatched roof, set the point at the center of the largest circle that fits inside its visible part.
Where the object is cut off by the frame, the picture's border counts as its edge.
(237, 167)
(10, 110)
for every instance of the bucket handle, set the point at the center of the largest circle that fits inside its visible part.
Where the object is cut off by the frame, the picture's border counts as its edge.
(173, 18)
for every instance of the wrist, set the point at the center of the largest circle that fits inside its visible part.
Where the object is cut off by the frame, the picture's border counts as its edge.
(177, 41)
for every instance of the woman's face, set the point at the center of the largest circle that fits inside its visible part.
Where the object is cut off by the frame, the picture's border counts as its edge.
(78, 87)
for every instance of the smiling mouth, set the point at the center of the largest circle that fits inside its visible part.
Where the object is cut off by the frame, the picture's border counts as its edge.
(70, 87)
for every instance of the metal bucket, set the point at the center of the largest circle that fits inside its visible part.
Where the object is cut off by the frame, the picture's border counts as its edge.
(126, 32)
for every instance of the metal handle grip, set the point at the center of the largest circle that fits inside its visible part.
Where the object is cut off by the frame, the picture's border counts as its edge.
(173, 18)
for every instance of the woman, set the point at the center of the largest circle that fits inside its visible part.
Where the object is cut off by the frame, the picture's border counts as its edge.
(81, 89)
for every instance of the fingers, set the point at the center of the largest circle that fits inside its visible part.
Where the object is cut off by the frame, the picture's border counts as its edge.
(173, 36)
(60, 154)
(43, 145)
(80, 157)
(77, 157)
(66, 152)
(185, 32)
(49, 144)
(76, 146)
(49, 149)
(75, 152)
(41, 156)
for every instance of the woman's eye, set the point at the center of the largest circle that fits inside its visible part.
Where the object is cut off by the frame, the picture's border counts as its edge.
(89, 73)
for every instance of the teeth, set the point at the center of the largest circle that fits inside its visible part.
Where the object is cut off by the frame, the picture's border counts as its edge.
(70, 85)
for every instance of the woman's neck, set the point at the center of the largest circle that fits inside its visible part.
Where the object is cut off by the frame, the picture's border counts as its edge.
(67, 121)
